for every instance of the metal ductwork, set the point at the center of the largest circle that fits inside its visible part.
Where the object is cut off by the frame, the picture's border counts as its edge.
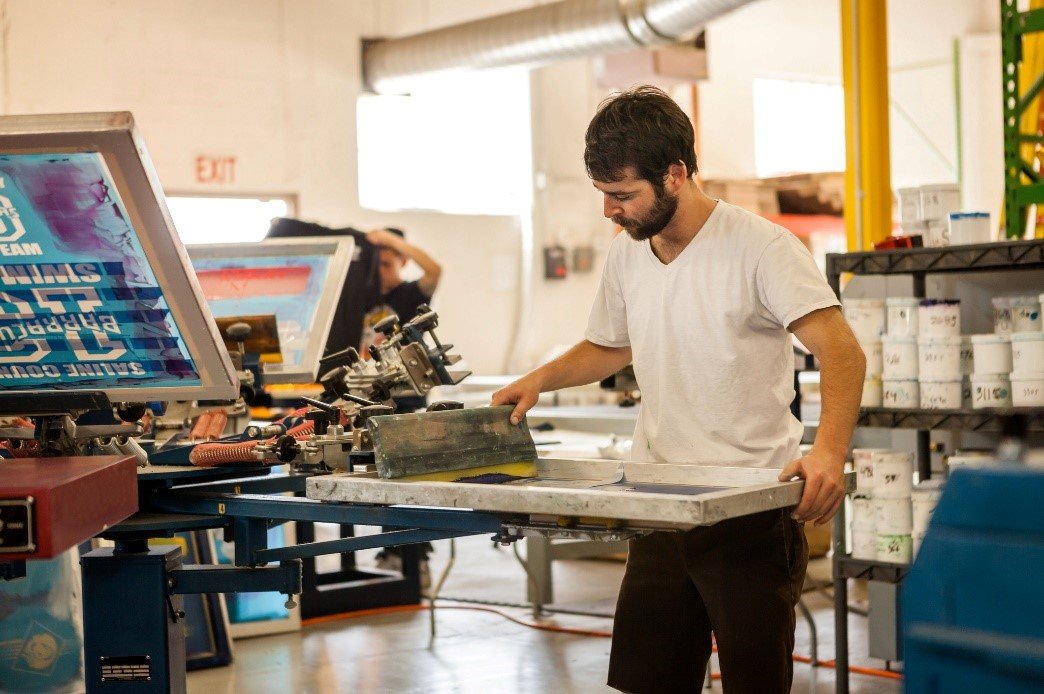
(543, 34)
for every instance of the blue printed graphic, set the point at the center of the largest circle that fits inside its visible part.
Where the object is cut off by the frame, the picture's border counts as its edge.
(80, 307)
(288, 287)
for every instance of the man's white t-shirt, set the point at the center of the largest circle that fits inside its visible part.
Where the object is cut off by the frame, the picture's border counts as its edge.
(709, 341)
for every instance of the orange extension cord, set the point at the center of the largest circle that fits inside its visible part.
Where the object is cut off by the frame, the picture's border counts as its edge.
(874, 672)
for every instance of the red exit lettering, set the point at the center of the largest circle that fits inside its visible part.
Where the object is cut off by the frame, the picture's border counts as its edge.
(215, 170)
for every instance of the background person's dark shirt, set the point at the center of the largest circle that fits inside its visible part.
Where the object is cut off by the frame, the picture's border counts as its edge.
(405, 299)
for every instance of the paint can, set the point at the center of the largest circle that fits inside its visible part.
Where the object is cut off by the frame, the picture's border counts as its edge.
(1027, 389)
(969, 227)
(991, 354)
(1027, 352)
(1025, 314)
(968, 456)
(967, 355)
(924, 499)
(899, 357)
(864, 544)
(918, 539)
(863, 462)
(939, 200)
(902, 394)
(893, 516)
(893, 474)
(990, 390)
(909, 207)
(897, 549)
(872, 392)
(939, 318)
(939, 357)
(872, 350)
(866, 317)
(902, 315)
(863, 517)
(941, 393)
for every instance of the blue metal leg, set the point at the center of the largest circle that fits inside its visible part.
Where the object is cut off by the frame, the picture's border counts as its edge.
(134, 640)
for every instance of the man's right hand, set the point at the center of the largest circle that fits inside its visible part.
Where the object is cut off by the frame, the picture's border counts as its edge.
(523, 394)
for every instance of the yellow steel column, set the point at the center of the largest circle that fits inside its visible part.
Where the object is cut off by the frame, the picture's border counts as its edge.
(868, 188)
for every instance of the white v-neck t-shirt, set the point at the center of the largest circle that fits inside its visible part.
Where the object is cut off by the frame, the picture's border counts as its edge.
(709, 341)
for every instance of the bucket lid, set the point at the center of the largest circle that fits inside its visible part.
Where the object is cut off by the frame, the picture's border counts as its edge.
(1027, 337)
(969, 215)
(940, 302)
(1027, 376)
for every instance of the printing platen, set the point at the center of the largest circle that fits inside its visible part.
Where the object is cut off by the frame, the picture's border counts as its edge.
(80, 307)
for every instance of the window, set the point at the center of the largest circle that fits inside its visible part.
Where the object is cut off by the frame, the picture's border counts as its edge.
(799, 127)
(459, 145)
(216, 219)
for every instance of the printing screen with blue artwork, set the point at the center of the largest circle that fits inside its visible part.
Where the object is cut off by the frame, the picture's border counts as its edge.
(289, 287)
(80, 306)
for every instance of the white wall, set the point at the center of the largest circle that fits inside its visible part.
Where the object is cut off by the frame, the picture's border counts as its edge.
(274, 83)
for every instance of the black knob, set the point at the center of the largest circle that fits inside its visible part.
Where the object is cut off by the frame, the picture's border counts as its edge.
(387, 326)
(374, 354)
(287, 449)
(348, 356)
(333, 375)
(320, 420)
(428, 320)
(131, 412)
(237, 332)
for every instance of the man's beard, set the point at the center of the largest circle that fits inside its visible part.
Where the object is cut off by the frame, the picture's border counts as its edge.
(659, 216)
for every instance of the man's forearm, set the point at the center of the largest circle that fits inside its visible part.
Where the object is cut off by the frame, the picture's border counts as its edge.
(841, 375)
(585, 363)
(425, 261)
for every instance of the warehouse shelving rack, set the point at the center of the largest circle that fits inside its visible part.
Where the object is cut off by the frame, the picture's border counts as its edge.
(918, 262)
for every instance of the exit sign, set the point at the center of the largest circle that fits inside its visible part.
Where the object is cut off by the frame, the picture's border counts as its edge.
(219, 170)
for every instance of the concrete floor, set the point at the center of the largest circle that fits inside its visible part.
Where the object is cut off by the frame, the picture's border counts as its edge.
(476, 651)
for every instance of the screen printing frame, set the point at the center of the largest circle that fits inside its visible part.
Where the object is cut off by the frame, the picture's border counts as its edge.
(338, 249)
(115, 137)
(587, 488)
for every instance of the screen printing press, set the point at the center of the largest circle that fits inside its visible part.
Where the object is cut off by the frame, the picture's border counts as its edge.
(124, 412)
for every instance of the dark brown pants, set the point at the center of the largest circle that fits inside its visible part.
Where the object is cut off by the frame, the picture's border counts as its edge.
(739, 579)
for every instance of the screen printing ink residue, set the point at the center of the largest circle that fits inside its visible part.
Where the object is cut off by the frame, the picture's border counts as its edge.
(492, 478)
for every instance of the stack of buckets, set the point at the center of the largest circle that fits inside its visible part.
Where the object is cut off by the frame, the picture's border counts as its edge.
(1009, 363)
(917, 357)
(882, 512)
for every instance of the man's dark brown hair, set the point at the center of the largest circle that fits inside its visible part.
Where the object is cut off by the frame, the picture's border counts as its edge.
(641, 128)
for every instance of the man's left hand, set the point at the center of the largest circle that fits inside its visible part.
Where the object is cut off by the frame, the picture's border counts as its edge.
(824, 486)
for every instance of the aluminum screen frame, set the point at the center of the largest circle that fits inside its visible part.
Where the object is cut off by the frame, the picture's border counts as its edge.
(339, 250)
(116, 139)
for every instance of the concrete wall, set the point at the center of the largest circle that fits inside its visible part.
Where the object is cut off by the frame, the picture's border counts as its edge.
(274, 83)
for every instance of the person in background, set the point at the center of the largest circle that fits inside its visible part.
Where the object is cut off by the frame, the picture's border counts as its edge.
(398, 296)
(402, 298)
